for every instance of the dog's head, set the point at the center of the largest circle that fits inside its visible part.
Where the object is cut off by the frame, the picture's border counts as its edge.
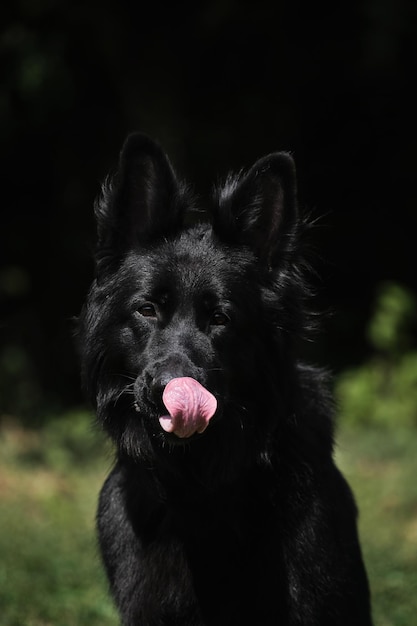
(185, 324)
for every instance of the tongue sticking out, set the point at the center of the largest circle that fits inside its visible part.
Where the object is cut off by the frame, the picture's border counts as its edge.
(190, 407)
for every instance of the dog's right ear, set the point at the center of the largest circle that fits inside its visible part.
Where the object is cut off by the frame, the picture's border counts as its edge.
(143, 201)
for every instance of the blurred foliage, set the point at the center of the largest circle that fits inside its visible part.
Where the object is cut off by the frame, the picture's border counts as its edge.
(394, 316)
(383, 391)
(381, 466)
(61, 443)
(50, 571)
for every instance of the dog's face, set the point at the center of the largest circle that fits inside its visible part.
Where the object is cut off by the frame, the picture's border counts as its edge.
(197, 305)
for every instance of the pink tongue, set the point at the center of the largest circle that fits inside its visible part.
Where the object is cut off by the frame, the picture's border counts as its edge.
(190, 407)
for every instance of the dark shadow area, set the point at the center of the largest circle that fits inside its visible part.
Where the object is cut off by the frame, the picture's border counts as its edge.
(219, 84)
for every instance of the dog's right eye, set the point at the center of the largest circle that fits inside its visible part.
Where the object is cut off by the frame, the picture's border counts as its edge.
(219, 319)
(147, 310)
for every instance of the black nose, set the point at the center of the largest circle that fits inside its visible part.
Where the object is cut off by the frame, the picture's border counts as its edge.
(171, 368)
(158, 384)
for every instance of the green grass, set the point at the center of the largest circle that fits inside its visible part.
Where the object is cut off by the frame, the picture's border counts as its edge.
(381, 466)
(50, 571)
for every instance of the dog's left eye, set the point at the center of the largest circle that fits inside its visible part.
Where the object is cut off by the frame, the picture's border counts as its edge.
(147, 310)
(219, 318)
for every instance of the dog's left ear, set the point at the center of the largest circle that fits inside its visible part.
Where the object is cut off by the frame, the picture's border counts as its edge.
(259, 208)
(143, 201)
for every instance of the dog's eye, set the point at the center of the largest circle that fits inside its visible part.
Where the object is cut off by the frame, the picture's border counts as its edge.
(219, 319)
(147, 310)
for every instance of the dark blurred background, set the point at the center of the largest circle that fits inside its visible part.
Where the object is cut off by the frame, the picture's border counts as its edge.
(220, 84)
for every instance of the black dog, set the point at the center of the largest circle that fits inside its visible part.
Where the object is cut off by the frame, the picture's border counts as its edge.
(225, 506)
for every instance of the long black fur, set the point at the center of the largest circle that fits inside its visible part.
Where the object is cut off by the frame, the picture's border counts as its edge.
(249, 522)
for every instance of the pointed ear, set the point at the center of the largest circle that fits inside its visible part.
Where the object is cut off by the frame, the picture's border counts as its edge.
(259, 208)
(142, 202)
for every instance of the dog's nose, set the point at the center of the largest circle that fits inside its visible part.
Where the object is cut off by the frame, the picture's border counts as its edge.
(157, 386)
(174, 367)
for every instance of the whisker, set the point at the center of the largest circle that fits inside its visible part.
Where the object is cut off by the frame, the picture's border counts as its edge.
(119, 395)
(128, 376)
